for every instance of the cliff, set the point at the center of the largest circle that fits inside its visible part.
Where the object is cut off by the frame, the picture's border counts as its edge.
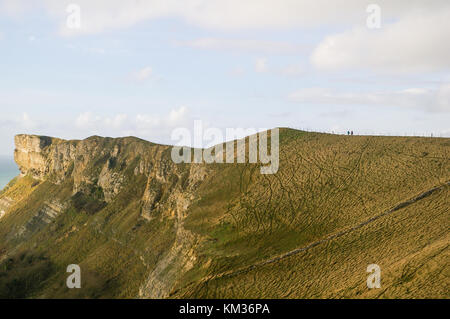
(96, 170)
(96, 161)
(31, 154)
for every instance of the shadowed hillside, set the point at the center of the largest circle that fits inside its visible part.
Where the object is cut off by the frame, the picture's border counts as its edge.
(140, 225)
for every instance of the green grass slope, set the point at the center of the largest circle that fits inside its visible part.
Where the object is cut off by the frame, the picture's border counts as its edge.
(336, 205)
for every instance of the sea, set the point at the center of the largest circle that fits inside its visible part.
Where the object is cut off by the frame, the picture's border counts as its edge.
(8, 170)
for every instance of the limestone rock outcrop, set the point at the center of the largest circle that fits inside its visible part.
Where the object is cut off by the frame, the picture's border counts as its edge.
(107, 164)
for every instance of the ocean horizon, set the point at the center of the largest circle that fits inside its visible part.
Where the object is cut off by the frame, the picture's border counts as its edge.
(8, 170)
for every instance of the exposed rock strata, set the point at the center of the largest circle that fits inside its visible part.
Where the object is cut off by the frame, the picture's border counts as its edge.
(102, 167)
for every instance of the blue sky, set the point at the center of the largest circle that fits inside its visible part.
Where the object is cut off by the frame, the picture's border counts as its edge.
(145, 68)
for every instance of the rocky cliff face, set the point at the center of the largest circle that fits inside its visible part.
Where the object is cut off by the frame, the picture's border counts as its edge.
(106, 163)
(31, 156)
(97, 170)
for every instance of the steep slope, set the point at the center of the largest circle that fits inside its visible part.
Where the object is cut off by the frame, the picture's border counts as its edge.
(140, 225)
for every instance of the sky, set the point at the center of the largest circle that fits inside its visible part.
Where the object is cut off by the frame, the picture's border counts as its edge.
(73, 69)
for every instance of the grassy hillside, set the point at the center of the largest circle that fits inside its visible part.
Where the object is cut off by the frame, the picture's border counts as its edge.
(336, 205)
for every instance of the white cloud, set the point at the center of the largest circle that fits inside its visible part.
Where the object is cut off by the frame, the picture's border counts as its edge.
(16, 8)
(436, 100)
(416, 42)
(248, 45)
(158, 128)
(22, 121)
(101, 15)
(104, 15)
(261, 65)
(146, 121)
(143, 74)
(27, 122)
(87, 120)
(116, 121)
(177, 116)
(149, 126)
(413, 34)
